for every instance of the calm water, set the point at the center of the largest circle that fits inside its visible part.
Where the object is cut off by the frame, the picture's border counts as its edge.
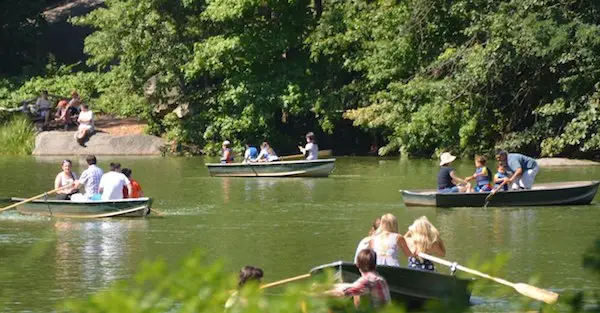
(286, 226)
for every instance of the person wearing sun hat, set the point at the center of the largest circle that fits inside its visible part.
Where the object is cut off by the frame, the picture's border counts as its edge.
(446, 177)
(227, 152)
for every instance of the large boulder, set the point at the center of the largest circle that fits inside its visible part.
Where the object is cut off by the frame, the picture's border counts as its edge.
(63, 143)
(551, 162)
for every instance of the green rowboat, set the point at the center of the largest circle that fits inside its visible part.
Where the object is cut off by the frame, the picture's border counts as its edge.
(137, 207)
(303, 168)
(410, 287)
(564, 193)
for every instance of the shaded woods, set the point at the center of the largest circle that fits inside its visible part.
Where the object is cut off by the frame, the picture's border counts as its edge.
(415, 77)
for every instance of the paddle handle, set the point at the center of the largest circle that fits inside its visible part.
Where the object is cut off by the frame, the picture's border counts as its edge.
(285, 281)
(34, 198)
(465, 269)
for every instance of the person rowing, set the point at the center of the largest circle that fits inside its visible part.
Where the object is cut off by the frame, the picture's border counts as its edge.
(227, 152)
(422, 236)
(447, 179)
(311, 150)
(521, 168)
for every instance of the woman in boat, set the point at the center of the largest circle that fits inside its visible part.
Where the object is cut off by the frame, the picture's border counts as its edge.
(311, 150)
(447, 179)
(248, 274)
(387, 242)
(422, 236)
(364, 243)
(65, 178)
(267, 154)
(227, 152)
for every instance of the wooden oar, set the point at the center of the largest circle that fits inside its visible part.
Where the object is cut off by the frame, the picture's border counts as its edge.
(489, 197)
(322, 153)
(522, 288)
(34, 198)
(285, 281)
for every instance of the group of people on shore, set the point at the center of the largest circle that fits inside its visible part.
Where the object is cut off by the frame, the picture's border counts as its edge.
(68, 113)
(380, 247)
(267, 154)
(97, 185)
(513, 169)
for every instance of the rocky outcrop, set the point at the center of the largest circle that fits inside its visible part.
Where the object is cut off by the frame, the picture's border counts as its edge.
(63, 143)
(551, 162)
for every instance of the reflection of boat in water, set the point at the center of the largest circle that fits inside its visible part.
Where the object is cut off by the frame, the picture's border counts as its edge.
(303, 168)
(408, 286)
(136, 207)
(563, 193)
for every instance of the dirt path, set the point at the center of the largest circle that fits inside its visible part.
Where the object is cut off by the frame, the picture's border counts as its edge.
(120, 126)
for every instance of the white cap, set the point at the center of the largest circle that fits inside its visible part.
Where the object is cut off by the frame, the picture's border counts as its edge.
(226, 143)
(446, 158)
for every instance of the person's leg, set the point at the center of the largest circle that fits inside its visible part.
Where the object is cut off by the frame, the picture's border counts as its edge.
(528, 177)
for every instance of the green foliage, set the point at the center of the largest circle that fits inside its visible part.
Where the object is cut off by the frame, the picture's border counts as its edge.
(17, 137)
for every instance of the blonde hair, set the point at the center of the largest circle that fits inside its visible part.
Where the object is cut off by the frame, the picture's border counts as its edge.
(423, 234)
(389, 223)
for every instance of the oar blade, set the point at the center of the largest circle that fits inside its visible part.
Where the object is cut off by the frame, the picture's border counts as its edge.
(536, 293)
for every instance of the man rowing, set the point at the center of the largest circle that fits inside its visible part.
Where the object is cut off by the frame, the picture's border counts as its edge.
(521, 169)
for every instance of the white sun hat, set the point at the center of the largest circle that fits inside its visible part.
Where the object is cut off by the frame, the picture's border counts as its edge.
(446, 158)
(226, 143)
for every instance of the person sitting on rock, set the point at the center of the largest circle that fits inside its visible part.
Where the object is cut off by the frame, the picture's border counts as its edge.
(86, 124)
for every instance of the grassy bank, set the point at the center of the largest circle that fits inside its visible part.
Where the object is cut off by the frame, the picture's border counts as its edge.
(17, 137)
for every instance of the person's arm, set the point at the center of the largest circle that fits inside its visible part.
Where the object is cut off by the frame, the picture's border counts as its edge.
(517, 173)
(404, 246)
(57, 182)
(129, 190)
(456, 178)
(440, 248)
(101, 185)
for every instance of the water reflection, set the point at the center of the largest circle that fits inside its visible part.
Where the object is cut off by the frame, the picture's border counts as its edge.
(96, 252)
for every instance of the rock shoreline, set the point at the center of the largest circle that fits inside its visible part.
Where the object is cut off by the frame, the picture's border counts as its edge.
(555, 162)
(63, 143)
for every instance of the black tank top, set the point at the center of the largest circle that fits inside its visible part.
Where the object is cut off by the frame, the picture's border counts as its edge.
(444, 180)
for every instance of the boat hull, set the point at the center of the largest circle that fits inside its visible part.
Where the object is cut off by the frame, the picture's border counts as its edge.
(303, 168)
(564, 193)
(138, 207)
(410, 287)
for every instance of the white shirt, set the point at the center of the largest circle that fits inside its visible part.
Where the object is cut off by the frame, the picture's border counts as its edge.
(42, 103)
(86, 118)
(112, 184)
(313, 151)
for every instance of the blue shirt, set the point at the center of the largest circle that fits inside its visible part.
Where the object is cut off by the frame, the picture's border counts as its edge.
(251, 152)
(516, 161)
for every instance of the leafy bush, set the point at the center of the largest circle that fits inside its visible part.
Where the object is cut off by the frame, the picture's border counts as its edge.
(17, 137)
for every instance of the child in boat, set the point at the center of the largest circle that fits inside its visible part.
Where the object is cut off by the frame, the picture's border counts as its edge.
(482, 175)
(248, 274)
(370, 283)
(422, 236)
(500, 176)
(267, 154)
(446, 178)
(364, 243)
(136, 191)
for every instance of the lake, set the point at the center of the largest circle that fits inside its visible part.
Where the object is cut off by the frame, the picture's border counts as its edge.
(284, 225)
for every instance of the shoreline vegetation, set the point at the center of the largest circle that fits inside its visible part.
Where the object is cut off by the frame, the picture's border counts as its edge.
(405, 77)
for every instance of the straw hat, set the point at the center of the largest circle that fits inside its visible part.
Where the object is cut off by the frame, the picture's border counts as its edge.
(446, 158)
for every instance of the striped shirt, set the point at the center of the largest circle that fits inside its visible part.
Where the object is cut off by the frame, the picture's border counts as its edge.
(90, 179)
(373, 285)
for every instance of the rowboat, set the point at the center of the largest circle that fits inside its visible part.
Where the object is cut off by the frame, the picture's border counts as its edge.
(410, 287)
(303, 168)
(562, 193)
(137, 207)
